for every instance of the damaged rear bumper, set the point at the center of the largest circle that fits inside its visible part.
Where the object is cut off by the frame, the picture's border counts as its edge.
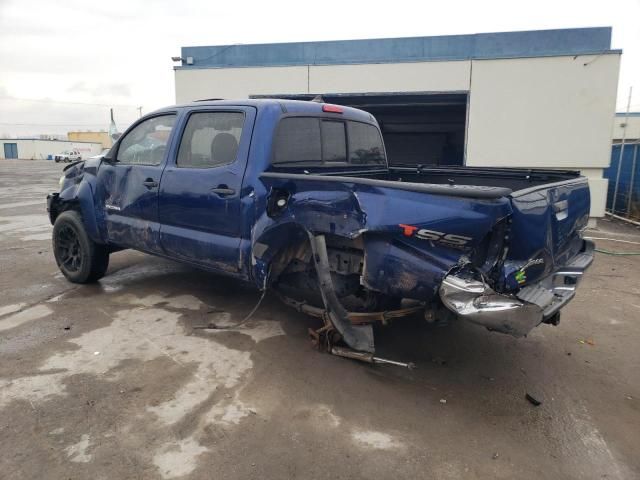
(516, 314)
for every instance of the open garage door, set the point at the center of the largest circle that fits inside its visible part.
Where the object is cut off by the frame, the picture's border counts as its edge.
(418, 128)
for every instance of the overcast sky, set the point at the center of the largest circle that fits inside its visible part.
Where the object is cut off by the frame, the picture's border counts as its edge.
(117, 52)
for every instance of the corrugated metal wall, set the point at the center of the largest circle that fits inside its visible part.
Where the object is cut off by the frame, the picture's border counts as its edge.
(627, 201)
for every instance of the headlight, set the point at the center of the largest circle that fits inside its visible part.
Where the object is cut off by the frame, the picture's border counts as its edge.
(61, 181)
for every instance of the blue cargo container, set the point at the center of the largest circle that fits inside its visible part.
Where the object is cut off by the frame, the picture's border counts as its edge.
(629, 176)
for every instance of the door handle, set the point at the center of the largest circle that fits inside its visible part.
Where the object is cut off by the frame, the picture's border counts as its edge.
(150, 183)
(223, 191)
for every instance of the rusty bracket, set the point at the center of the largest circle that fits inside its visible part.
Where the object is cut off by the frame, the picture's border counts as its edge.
(356, 318)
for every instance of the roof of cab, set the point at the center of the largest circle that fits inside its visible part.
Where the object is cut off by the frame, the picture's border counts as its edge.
(286, 106)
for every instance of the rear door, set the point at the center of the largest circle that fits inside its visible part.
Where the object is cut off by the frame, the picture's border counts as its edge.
(128, 187)
(201, 188)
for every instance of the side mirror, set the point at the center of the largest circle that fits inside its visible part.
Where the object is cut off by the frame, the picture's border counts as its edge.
(110, 156)
(109, 159)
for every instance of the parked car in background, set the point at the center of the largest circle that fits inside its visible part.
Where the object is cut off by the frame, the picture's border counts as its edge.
(68, 156)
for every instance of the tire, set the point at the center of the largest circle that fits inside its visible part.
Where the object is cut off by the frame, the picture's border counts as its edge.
(80, 259)
(57, 160)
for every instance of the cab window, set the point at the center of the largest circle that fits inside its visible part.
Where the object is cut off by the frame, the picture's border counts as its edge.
(146, 144)
(313, 141)
(210, 139)
(298, 142)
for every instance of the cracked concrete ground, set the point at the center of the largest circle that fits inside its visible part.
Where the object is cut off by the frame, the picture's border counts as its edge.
(115, 380)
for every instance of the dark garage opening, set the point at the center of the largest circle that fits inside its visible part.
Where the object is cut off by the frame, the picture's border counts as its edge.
(418, 129)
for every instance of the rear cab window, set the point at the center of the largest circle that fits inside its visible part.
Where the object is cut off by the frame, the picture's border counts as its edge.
(323, 142)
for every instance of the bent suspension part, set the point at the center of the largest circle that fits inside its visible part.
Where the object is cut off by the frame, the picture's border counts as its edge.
(368, 357)
(325, 337)
(354, 328)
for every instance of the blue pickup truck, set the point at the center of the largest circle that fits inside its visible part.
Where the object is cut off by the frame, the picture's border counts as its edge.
(298, 197)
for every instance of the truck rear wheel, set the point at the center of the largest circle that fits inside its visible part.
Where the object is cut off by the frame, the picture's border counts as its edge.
(80, 259)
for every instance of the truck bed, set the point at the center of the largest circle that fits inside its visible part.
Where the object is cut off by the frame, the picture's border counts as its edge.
(466, 182)
(512, 178)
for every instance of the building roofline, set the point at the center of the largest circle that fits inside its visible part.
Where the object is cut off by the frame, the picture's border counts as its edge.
(624, 114)
(44, 140)
(522, 44)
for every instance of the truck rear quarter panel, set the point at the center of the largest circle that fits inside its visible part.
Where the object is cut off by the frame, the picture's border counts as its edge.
(398, 260)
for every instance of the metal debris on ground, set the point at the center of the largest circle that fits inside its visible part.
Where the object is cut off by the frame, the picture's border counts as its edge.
(208, 326)
(533, 400)
(368, 357)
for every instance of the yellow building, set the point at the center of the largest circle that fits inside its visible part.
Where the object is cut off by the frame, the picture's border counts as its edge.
(101, 137)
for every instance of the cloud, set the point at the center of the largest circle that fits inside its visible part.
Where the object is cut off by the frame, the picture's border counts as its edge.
(101, 90)
(118, 52)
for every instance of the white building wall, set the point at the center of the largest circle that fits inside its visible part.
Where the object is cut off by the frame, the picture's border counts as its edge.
(41, 149)
(196, 84)
(550, 112)
(399, 77)
(632, 127)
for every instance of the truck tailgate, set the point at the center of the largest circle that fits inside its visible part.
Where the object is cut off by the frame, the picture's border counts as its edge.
(545, 228)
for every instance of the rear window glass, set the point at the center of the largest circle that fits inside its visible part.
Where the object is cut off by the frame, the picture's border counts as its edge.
(334, 141)
(308, 141)
(298, 141)
(365, 144)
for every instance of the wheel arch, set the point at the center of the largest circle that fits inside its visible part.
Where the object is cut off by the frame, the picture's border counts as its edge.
(78, 197)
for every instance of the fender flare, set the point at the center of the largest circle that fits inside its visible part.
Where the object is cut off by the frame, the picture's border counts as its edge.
(79, 197)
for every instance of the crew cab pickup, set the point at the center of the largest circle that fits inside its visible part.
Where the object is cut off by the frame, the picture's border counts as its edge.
(299, 197)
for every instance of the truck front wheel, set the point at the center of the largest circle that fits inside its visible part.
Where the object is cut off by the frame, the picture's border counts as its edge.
(80, 259)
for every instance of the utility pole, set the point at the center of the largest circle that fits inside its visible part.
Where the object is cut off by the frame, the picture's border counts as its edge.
(139, 111)
(624, 136)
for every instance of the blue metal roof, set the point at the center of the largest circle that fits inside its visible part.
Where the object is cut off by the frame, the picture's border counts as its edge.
(535, 43)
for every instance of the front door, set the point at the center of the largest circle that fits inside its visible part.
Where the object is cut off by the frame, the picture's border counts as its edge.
(129, 185)
(200, 192)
